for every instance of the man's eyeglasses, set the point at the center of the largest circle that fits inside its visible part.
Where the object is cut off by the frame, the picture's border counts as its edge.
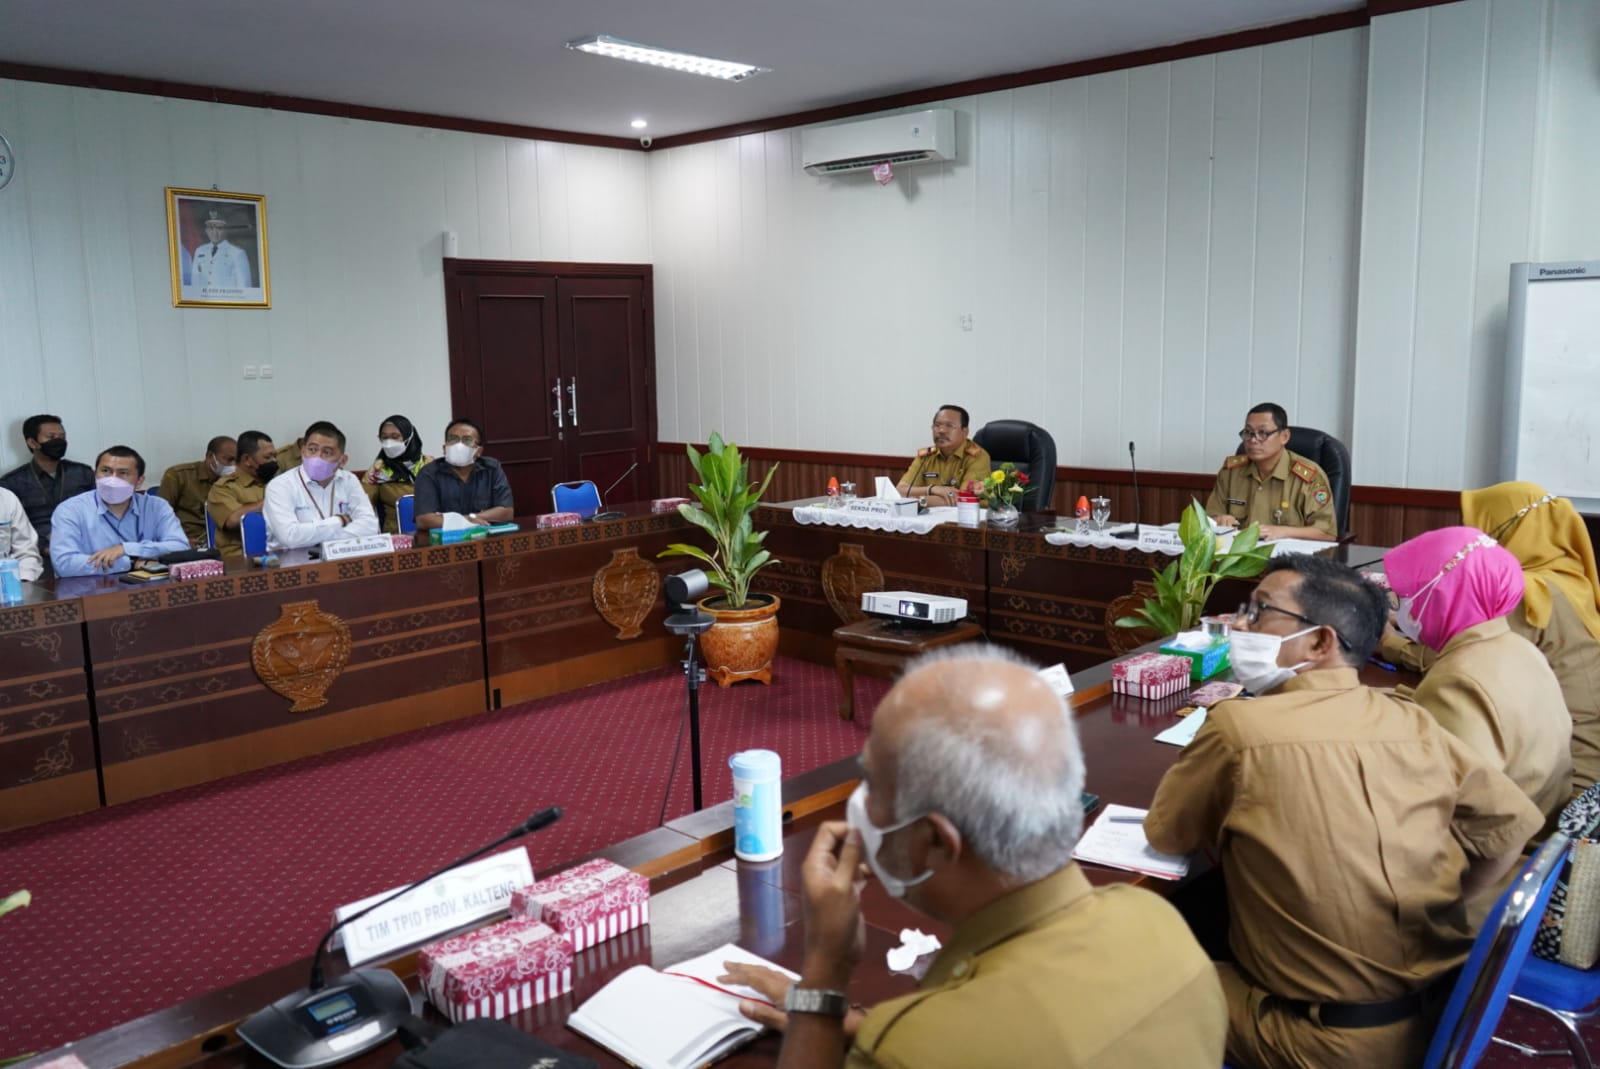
(1248, 435)
(946, 426)
(1250, 613)
(461, 439)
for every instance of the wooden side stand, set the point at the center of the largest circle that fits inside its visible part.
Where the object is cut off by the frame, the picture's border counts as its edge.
(881, 648)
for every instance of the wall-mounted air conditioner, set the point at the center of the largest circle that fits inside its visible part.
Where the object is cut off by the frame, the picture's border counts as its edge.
(920, 137)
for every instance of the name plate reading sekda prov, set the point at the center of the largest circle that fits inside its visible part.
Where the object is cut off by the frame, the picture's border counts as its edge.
(882, 506)
(362, 546)
(458, 897)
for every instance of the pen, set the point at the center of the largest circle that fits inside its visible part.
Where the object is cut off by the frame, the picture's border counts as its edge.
(1385, 665)
(1126, 818)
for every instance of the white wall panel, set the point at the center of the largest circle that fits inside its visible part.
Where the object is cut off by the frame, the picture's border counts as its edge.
(354, 210)
(1569, 211)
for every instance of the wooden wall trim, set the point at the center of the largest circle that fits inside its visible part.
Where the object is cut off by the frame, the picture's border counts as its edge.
(1174, 480)
(1227, 42)
(455, 267)
(120, 83)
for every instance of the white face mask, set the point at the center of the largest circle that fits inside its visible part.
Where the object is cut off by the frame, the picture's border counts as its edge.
(1254, 655)
(223, 470)
(855, 812)
(458, 454)
(392, 447)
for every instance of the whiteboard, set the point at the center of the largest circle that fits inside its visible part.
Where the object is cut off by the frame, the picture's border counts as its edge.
(1552, 430)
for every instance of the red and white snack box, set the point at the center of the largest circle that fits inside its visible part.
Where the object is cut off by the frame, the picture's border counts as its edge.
(591, 903)
(558, 519)
(496, 971)
(1150, 675)
(196, 569)
(667, 504)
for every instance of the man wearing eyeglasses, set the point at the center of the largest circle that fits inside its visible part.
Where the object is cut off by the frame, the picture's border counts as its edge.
(463, 481)
(1287, 494)
(950, 464)
(1351, 830)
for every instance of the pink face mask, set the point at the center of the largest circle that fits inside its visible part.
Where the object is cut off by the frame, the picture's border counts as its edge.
(319, 468)
(113, 491)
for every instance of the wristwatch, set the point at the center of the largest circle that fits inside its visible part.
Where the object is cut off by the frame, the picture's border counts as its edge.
(814, 1000)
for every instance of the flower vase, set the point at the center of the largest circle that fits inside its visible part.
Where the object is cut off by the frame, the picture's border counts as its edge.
(1003, 515)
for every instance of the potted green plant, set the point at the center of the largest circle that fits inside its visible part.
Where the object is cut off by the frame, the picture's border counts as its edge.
(1183, 586)
(744, 639)
(1001, 492)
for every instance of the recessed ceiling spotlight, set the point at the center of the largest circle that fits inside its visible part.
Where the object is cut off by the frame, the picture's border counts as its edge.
(638, 124)
(616, 48)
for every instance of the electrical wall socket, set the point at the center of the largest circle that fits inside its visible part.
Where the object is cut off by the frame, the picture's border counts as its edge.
(266, 371)
(249, 371)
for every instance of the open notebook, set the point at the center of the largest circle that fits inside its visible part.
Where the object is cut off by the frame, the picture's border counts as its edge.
(674, 1019)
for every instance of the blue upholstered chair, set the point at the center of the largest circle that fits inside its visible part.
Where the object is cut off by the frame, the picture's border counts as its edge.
(581, 496)
(211, 531)
(1570, 997)
(1498, 955)
(406, 514)
(253, 530)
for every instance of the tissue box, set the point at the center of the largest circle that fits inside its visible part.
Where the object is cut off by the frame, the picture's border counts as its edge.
(667, 504)
(588, 904)
(558, 519)
(1207, 660)
(439, 537)
(1150, 675)
(196, 569)
(496, 971)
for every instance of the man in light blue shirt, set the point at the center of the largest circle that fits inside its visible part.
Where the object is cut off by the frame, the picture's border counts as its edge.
(112, 527)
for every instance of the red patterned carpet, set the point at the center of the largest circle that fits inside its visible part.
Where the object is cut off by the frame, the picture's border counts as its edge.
(141, 905)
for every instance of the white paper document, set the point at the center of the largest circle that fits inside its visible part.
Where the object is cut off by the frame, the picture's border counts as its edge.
(677, 1018)
(1183, 732)
(1117, 841)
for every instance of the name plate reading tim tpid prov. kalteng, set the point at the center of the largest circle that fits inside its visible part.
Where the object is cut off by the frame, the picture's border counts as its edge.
(462, 895)
(363, 546)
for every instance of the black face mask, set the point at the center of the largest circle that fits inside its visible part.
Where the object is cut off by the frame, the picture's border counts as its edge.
(55, 448)
(266, 471)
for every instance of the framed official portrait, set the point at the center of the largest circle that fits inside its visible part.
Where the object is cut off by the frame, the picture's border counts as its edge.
(217, 244)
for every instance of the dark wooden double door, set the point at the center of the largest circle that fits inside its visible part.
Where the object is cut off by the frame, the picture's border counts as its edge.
(557, 361)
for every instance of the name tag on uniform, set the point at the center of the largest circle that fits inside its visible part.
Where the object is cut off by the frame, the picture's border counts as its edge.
(930, 475)
(1236, 501)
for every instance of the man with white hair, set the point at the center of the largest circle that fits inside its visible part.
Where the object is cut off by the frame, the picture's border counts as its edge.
(969, 810)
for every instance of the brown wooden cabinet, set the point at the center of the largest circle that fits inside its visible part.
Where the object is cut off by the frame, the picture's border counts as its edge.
(557, 360)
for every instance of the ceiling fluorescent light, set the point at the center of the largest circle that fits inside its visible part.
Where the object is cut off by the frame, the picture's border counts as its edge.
(616, 48)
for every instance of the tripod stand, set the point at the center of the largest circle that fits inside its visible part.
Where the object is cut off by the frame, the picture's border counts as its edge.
(691, 625)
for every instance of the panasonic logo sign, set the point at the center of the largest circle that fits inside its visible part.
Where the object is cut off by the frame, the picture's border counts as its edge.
(1545, 272)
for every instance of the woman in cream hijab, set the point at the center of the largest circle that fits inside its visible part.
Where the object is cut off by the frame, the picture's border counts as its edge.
(1560, 610)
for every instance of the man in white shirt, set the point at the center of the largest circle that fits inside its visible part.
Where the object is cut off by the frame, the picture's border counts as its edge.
(318, 501)
(218, 263)
(24, 543)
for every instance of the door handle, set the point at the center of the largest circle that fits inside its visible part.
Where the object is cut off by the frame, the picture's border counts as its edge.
(557, 391)
(572, 391)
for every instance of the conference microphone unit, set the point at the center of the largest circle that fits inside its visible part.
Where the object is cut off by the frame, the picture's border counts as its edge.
(325, 1024)
(1133, 466)
(613, 514)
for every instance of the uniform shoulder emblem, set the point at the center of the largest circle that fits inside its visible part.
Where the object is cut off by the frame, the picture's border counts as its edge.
(1305, 472)
(972, 448)
(924, 451)
(1238, 460)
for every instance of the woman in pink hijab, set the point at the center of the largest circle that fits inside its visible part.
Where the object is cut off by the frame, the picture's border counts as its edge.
(1489, 687)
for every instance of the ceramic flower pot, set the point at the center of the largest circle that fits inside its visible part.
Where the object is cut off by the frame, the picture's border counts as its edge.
(742, 643)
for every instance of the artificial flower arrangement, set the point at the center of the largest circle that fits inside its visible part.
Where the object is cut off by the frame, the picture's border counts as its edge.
(1004, 486)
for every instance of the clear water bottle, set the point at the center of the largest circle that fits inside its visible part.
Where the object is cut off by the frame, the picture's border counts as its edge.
(10, 582)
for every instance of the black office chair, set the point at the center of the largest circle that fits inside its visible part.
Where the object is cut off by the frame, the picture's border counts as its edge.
(1028, 446)
(1333, 457)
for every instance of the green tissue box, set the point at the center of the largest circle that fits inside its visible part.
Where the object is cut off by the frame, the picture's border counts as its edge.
(1205, 662)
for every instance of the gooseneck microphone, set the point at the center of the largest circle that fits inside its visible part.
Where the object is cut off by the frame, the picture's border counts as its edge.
(612, 514)
(1134, 467)
(329, 1023)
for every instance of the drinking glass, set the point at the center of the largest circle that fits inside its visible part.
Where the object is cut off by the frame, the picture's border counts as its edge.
(847, 491)
(1100, 512)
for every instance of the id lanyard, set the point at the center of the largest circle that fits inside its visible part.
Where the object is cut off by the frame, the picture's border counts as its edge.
(313, 499)
(138, 524)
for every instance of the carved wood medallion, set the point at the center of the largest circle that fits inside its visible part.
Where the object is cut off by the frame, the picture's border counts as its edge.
(847, 575)
(301, 653)
(625, 591)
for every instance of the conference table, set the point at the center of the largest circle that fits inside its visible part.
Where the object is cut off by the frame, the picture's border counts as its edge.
(701, 898)
(111, 692)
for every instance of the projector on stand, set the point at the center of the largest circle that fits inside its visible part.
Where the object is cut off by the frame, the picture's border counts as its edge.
(914, 609)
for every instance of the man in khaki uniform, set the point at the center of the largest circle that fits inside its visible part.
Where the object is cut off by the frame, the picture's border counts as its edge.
(970, 809)
(243, 491)
(1351, 829)
(949, 464)
(186, 486)
(1287, 494)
